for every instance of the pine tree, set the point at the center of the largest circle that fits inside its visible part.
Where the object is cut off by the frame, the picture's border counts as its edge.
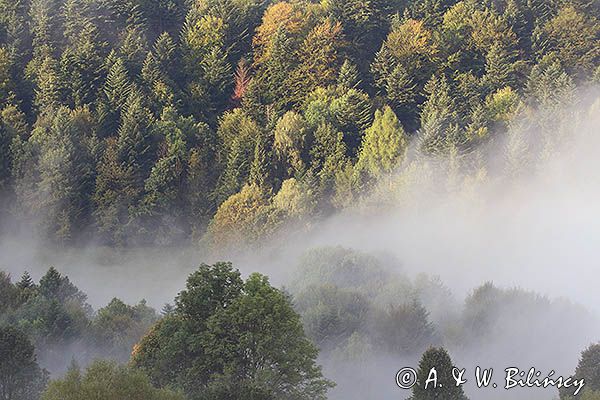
(364, 24)
(81, 60)
(549, 85)
(238, 133)
(274, 71)
(242, 81)
(161, 71)
(206, 60)
(20, 375)
(163, 206)
(60, 193)
(290, 144)
(6, 160)
(168, 309)
(502, 68)
(6, 83)
(134, 47)
(328, 156)
(115, 194)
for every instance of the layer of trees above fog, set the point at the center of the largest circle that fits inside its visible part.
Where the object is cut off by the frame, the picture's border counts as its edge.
(163, 122)
(225, 337)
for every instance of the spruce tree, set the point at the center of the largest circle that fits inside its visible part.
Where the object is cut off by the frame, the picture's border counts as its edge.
(439, 119)
(136, 142)
(348, 76)
(401, 92)
(445, 386)
(26, 282)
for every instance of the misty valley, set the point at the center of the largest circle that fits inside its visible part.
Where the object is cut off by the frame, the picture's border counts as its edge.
(367, 320)
(299, 199)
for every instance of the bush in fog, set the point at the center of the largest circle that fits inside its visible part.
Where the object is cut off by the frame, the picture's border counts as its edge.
(344, 268)
(107, 381)
(331, 315)
(118, 326)
(404, 329)
(343, 294)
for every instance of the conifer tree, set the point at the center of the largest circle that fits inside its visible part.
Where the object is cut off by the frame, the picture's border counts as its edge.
(238, 133)
(26, 282)
(61, 195)
(401, 92)
(439, 119)
(134, 47)
(384, 145)
(48, 86)
(259, 170)
(290, 144)
(319, 60)
(136, 142)
(445, 386)
(348, 76)
(114, 195)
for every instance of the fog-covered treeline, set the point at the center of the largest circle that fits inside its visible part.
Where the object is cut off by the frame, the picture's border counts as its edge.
(225, 337)
(136, 122)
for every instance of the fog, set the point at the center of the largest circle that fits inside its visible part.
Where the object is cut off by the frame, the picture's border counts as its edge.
(538, 230)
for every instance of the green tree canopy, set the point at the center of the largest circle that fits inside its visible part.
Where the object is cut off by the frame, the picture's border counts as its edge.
(107, 381)
(233, 339)
(20, 376)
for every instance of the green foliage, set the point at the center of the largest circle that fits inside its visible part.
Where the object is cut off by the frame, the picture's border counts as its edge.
(404, 329)
(439, 119)
(20, 376)
(229, 338)
(106, 380)
(351, 304)
(587, 370)
(332, 315)
(58, 194)
(56, 318)
(573, 34)
(384, 145)
(446, 388)
(118, 326)
(135, 121)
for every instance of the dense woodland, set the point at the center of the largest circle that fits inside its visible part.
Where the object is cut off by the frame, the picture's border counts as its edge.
(137, 122)
(222, 122)
(229, 338)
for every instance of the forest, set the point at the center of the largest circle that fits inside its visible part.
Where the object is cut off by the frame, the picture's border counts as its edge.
(133, 123)
(268, 132)
(226, 338)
